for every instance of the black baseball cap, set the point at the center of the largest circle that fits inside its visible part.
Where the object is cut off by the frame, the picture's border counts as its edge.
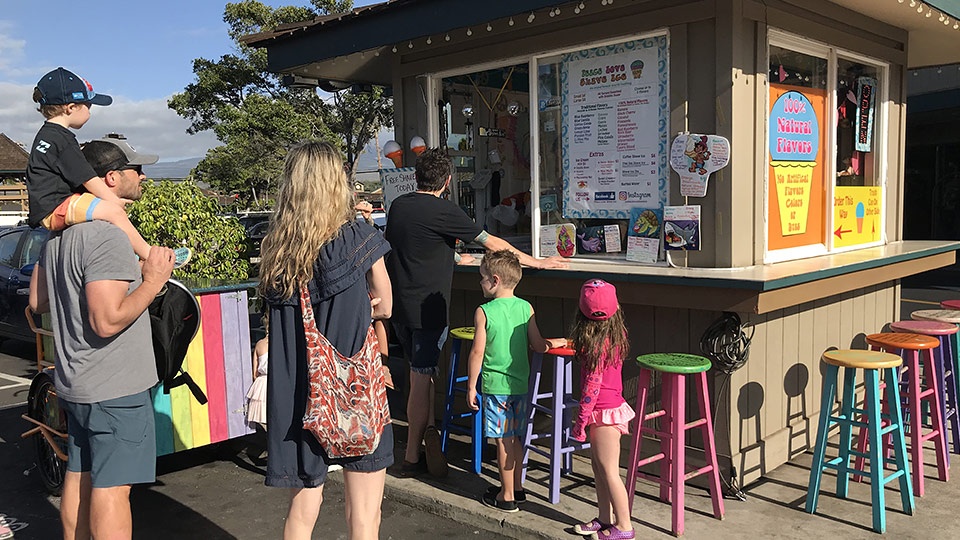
(112, 153)
(60, 87)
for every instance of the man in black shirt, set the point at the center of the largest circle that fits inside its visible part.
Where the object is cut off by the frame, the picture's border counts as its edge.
(423, 230)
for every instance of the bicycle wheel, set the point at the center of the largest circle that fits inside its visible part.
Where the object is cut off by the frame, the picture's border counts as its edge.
(45, 407)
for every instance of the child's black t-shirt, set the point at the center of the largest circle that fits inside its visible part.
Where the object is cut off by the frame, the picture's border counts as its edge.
(422, 230)
(56, 170)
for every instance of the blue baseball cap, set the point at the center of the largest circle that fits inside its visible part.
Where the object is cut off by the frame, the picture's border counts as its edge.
(60, 87)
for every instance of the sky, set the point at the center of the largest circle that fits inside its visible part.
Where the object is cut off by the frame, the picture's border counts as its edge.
(139, 52)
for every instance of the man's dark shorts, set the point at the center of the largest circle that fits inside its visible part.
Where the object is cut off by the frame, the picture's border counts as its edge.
(114, 440)
(421, 347)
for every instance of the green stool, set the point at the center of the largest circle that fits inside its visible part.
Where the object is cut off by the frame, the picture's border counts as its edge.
(673, 368)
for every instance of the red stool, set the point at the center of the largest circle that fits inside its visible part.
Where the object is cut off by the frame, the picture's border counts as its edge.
(909, 346)
(673, 368)
(950, 304)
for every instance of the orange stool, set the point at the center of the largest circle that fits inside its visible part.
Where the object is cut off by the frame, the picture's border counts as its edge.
(910, 346)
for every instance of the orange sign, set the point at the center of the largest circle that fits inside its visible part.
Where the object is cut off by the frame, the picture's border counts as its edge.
(797, 184)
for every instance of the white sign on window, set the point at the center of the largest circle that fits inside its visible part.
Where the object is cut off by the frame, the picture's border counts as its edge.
(397, 182)
(615, 118)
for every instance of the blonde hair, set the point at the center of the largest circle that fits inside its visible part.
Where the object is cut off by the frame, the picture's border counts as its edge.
(505, 264)
(312, 204)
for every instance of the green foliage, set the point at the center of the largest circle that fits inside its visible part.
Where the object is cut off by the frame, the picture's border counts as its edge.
(174, 214)
(257, 118)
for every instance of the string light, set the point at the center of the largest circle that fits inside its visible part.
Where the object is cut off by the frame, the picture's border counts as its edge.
(510, 22)
(913, 3)
(429, 40)
(446, 37)
(394, 48)
(489, 27)
(410, 45)
(531, 17)
(469, 32)
(929, 13)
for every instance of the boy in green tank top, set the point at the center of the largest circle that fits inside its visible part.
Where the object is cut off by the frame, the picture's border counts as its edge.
(505, 331)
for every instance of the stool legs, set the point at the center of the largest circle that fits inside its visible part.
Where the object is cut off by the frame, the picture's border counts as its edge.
(875, 431)
(672, 437)
(452, 381)
(476, 417)
(949, 366)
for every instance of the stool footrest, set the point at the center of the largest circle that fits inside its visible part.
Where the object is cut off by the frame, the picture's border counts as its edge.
(652, 459)
(894, 476)
(698, 472)
(654, 415)
(889, 429)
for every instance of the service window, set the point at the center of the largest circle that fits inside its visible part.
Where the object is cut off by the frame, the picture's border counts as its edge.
(824, 149)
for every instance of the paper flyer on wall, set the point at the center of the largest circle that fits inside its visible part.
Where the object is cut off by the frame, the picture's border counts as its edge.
(558, 240)
(681, 227)
(598, 239)
(695, 157)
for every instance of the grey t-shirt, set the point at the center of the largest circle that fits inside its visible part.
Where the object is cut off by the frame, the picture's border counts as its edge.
(90, 368)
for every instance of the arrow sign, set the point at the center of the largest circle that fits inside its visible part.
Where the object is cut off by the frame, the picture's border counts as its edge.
(841, 231)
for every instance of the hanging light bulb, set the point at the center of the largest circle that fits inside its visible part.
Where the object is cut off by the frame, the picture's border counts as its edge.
(469, 32)
(510, 22)
(410, 45)
(941, 17)
(394, 48)
(939, 70)
(489, 27)
(429, 40)
(531, 17)
(467, 110)
(920, 9)
(929, 13)
(913, 3)
(446, 37)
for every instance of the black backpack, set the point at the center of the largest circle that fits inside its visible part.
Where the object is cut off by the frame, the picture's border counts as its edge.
(175, 319)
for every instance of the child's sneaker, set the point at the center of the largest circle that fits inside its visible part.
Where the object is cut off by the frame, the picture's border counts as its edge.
(519, 495)
(181, 256)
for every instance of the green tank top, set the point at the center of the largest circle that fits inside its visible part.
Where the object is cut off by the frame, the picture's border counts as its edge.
(506, 365)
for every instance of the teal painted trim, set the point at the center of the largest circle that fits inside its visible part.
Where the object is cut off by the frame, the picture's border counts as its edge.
(758, 285)
(948, 7)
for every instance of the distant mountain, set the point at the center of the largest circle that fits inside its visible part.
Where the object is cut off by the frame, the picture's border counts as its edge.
(171, 169)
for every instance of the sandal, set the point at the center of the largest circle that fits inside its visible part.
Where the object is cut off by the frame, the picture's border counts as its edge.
(613, 533)
(587, 529)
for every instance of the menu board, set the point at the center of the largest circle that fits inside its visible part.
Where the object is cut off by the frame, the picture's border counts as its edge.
(615, 117)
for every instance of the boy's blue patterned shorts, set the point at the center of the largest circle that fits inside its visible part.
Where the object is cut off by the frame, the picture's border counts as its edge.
(504, 416)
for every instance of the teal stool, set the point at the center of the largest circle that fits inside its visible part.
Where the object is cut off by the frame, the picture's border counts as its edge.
(673, 369)
(872, 363)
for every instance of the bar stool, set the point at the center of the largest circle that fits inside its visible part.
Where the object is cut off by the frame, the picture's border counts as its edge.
(952, 305)
(458, 384)
(909, 346)
(673, 368)
(949, 315)
(560, 451)
(946, 367)
(871, 362)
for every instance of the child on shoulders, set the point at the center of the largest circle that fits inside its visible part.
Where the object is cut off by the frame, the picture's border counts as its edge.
(62, 187)
(506, 329)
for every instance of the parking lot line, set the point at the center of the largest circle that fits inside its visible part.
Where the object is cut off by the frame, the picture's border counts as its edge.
(17, 381)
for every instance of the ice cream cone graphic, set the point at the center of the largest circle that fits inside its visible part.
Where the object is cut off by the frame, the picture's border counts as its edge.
(794, 133)
(394, 151)
(793, 181)
(860, 212)
(637, 68)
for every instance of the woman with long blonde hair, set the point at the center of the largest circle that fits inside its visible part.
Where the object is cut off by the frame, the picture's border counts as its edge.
(314, 240)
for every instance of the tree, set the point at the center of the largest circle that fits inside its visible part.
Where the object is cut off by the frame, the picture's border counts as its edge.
(170, 214)
(257, 118)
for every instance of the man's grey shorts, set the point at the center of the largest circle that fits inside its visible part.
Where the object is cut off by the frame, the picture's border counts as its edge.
(113, 440)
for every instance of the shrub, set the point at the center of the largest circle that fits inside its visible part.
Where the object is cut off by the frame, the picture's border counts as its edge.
(179, 214)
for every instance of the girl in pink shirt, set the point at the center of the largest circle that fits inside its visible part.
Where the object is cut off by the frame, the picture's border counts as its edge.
(600, 338)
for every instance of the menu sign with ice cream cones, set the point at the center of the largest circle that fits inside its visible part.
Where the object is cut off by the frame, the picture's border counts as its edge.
(796, 171)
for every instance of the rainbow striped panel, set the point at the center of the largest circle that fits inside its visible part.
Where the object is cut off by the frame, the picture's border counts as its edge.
(195, 366)
(237, 364)
(163, 420)
(213, 353)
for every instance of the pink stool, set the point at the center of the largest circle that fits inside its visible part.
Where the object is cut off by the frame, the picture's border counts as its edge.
(950, 304)
(945, 363)
(909, 346)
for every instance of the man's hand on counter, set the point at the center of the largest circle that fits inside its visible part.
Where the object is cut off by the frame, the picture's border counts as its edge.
(552, 262)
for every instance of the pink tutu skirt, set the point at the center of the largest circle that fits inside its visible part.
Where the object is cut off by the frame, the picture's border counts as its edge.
(257, 402)
(619, 418)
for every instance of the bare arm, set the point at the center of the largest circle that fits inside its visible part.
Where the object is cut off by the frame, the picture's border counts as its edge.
(379, 284)
(537, 342)
(112, 309)
(39, 299)
(495, 243)
(99, 188)
(475, 360)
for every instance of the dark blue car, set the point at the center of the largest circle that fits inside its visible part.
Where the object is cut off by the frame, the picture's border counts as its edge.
(19, 251)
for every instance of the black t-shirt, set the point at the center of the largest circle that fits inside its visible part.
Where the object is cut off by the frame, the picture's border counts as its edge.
(422, 230)
(56, 170)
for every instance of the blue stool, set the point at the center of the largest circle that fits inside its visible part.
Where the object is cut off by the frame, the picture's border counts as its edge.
(458, 384)
(560, 451)
(872, 363)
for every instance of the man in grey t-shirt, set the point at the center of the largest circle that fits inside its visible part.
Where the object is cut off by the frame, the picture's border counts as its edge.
(97, 293)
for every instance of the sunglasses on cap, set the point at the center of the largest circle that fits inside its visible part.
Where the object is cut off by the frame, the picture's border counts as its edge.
(136, 168)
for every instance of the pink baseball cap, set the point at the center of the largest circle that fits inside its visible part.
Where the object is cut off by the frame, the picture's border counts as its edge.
(598, 300)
